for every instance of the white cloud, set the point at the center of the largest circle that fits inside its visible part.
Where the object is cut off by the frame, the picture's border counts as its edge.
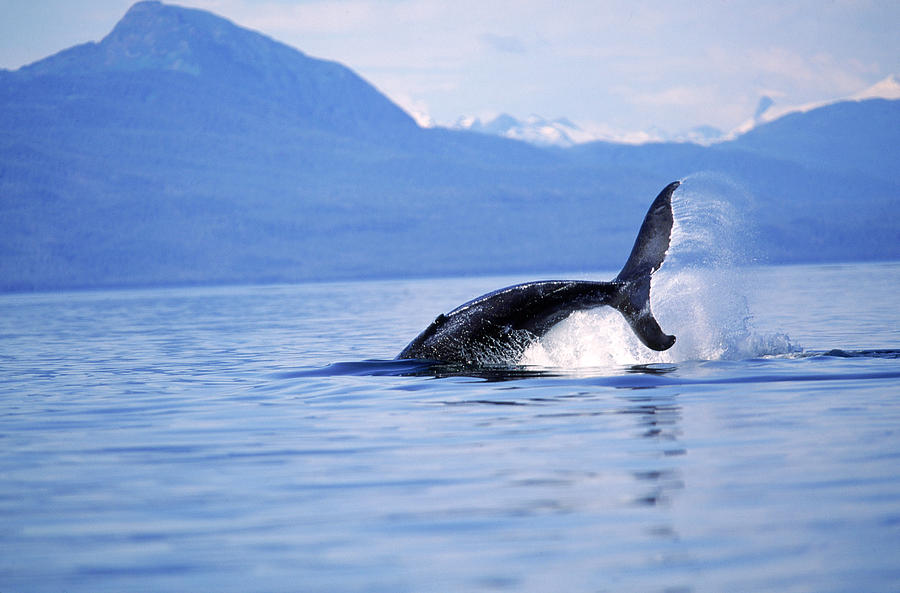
(279, 18)
(504, 43)
(676, 96)
(416, 108)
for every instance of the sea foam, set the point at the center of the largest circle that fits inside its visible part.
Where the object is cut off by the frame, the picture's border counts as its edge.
(699, 294)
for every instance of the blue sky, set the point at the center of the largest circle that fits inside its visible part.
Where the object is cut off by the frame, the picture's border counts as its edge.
(616, 66)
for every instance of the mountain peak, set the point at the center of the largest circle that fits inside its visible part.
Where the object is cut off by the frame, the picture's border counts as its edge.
(153, 35)
(886, 88)
(534, 129)
(246, 66)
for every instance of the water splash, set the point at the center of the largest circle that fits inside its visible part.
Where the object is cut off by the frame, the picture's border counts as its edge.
(700, 293)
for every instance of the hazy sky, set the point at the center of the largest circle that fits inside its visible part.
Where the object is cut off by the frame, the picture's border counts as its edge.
(627, 65)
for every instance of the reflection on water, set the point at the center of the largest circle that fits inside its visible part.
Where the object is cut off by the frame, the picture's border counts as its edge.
(658, 420)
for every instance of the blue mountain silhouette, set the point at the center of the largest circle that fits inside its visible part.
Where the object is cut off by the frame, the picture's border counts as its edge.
(185, 149)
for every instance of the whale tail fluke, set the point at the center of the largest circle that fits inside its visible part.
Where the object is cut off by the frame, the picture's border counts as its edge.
(647, 255)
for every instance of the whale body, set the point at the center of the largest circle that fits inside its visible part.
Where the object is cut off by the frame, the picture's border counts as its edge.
(498, 326)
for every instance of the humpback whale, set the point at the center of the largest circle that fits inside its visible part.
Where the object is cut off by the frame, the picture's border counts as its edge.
(498, 326)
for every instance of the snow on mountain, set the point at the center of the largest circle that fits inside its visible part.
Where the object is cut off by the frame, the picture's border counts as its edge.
(768, 111)
(563, 132)
(533, 129)
(183, 148)
(888, 88)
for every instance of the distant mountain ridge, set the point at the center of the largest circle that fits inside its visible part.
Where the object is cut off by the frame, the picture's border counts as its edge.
(182, 148)
(768, 110)
(534, 129)
(844, 136)
(563, 132)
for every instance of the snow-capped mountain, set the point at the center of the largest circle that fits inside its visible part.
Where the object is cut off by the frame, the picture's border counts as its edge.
(768, 110)
(564, 132)
(533, 129)
(183, 148)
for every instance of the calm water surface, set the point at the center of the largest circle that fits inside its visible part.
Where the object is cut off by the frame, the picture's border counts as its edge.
(259, 439)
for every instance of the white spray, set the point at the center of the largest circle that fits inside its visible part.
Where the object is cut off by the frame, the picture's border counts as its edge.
(699, 294)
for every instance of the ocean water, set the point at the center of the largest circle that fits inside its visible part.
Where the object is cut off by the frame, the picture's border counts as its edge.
(262, 439)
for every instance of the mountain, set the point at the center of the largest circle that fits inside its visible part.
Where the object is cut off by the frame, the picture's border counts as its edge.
(768, 110)
(156, 48)
(799, 208)
(182, 148)
(563, 132)
(534, 129)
